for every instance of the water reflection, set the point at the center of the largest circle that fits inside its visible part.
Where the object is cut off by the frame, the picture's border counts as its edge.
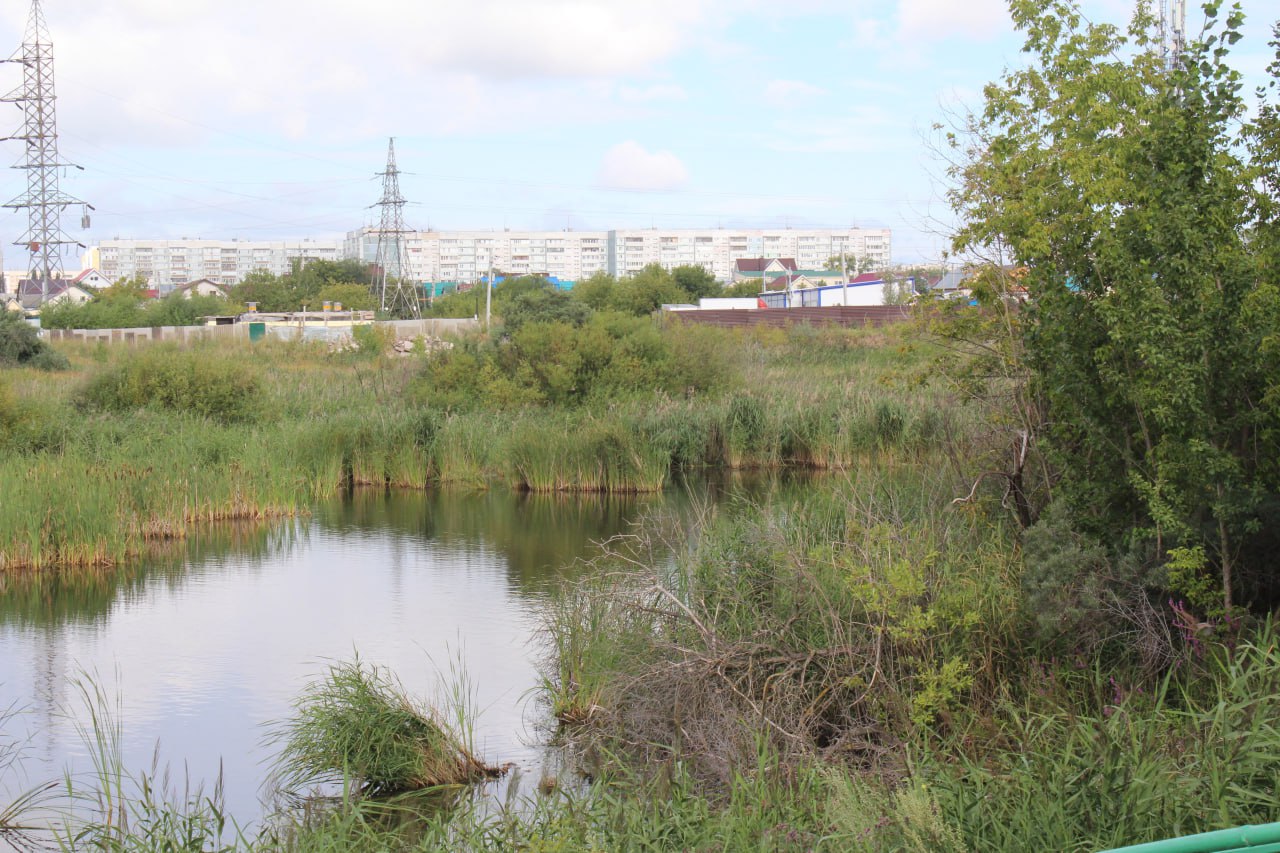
(210, 639)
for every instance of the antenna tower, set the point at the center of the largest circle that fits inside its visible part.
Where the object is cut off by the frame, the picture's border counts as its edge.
(1173, 31)
(43, 201)
(395, 295)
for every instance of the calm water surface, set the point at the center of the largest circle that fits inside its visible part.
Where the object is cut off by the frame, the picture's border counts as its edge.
(204, 646)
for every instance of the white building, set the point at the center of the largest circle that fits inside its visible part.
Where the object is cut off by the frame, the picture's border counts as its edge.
(168, 264)
(574, 255)
(717, 250)
(466, 255)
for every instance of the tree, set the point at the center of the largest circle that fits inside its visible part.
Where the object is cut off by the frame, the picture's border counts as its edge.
(647, 290)
(1125, 190)
(269, 291)
(696, 281)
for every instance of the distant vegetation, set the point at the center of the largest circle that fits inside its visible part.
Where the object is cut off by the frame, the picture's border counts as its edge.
(125, 305)
(638, 295)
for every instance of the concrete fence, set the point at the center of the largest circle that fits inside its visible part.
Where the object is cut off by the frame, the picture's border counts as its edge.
(404, 330)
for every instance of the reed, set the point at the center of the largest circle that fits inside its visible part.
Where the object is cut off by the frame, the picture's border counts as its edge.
(357, 726)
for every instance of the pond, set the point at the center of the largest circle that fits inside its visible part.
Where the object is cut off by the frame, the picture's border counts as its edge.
(199, 648)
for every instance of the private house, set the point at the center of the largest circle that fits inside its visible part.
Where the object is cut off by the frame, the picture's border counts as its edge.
(201, 287)
(91, 279)
(746, 269)
(60, 290)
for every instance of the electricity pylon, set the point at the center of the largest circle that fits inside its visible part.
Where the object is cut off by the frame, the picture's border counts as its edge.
(43, 200)
(395, 294)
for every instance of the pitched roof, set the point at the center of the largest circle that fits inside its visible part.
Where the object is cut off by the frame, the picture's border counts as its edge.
(183, 288)
(29, 290)
(86, 273)
(761, 264)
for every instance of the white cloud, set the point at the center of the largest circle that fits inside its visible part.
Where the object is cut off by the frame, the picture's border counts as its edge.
(786, 93)
(133, 70)
(628, 165)
(656, 92)
(937, 20)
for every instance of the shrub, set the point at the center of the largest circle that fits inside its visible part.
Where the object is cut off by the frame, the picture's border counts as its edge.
(195, 381)
(19, 341)
(544, 306)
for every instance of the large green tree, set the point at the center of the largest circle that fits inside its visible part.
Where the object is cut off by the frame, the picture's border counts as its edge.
(1146, 225)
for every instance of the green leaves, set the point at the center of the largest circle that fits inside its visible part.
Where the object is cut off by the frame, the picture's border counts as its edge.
(1148, 233)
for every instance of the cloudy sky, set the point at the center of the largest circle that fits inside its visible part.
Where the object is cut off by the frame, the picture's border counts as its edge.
(268, 118)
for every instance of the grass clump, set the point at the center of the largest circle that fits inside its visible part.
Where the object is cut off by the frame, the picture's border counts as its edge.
(199, 381)
(357, 726)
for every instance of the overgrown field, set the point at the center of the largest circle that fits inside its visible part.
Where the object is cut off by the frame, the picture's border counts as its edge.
(134, 446)
(887, 663)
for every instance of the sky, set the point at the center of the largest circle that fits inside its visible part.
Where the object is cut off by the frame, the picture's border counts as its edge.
(266, 119)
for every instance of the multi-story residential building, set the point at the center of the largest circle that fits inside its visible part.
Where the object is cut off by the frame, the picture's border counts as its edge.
(464, 256)
(168, 264)
(574, 255)
(717, 250)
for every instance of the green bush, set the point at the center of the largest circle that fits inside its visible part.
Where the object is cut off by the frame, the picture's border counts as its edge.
(608, 357)
(20, 344)
(195, 381)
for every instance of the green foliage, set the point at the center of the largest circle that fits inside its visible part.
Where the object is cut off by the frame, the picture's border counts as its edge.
(1128, 194)
(560, 363)
(545, 305)
(304, 285)
(352, 297)
(196, 381)
(1129, 767)
(357, 725)
(124, 306)
(19, 341)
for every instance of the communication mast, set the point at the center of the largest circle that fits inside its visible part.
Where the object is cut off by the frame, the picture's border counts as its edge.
(1173, 31)
(395, 294)
(43, 200)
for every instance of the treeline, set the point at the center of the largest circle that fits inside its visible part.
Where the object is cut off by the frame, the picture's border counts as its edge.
(639, 294)
(126, 304)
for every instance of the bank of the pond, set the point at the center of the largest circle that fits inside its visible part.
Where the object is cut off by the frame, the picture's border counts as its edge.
(133, 447)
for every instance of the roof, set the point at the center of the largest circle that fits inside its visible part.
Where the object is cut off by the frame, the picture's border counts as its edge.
(952, 280)
(29, 294)
(86, 273)
(183, 288)
(761, 264)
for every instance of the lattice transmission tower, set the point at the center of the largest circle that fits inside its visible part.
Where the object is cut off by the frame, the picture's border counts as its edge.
(43, 200)
(396, 294)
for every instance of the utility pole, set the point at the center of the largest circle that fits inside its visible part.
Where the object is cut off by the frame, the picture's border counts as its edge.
(392, 259)
(844, 277)
(43, 200)
(488, 291)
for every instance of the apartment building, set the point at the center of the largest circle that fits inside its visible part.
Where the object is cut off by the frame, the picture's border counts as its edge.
(718, 250)
(574, 255)
(466, 255)
(168, 264)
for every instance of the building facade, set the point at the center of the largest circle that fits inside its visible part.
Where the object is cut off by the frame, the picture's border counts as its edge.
(169, 264)
(464, 256)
